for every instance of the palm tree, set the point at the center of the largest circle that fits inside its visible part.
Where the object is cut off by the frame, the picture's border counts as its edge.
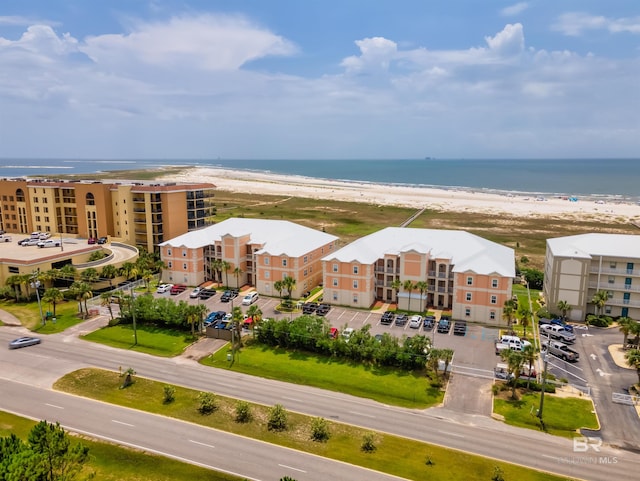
(279, 286)
(147, 277)
(422, 286)
(529, 353)
(447, 356)
(508, 310)
(408, 286)
(515, 360)
(396, 284)
(105, 301)
(158, 266)
(216, 267)
(237, 317)
(237, 272)
(600, 299)
(564, 307)
(255, 314)
(90, 275)
(109, 272)
(525, 317)
(625, 324)
(129, 270)
(633, 360)
(225, 266)
(202, 310)
(14, 281)
(289, 283)
(82, 292)
(53, 296)
(68, 273)
(193, 315)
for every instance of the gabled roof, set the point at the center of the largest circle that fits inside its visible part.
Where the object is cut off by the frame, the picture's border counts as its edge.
(467, 252)
(595, 245)
(276, 236)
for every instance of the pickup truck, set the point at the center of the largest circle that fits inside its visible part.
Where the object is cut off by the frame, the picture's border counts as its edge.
(557, 332)
(561, 350)
(510, 342)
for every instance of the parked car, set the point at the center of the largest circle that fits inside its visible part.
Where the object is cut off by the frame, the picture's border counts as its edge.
(103, 240)
(561, 350)
(323, 309)
(91, 240)
(415, 322)
(347, 333)
(334, 332)
(401, 319)
(250, 298)
(428, 322)
(309, 307)
(35, 235)
(557, 322)
(49, 243)
(510, 342)
(5, 238)
(206, 293)
(177, 289)
(387, 318)
(44, 235)
(555, 331)
(24, 342)
(194, 293)
(444, 325)
(459, 328)
(33, 241)
(162, 288)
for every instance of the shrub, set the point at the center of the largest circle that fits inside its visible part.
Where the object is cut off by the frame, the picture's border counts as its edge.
(169, 394)
(207, 403)
(368, 443)
(277, 418)
(320, 430)
(495, 389)
(243, 412)
(498, 474)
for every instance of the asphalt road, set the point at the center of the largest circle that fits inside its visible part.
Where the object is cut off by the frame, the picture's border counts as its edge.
(41, 365)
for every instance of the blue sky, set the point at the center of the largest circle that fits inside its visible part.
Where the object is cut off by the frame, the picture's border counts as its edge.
(315, 79)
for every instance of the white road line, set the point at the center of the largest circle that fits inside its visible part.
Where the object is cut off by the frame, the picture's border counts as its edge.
(292, 399)
(53, 406)
(121, 422)
(451, 434)
(366, 319)
(291, 467)
(202, 444)
(362, 414)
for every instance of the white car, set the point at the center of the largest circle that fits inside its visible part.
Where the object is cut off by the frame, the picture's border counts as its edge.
(162, 288)
(250, 298)
(347, 333)
(49, 243)
(195, 292)
(5, 238)
(415, 322)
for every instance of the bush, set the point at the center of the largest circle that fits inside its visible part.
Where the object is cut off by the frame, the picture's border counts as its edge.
(535, 386)
(320, 430)
(368, 443)
(277, 418)
(598, 321)
(114, 322)
(495, 389)
(243, 412)
(207, 403)
(169, 394)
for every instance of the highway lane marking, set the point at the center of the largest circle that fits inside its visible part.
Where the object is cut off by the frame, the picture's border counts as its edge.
(292, 399)
(53, 406)
(362, 414)
(550, 457)
(202, 444)
(121, 422)
(452, 434)
(291, 467)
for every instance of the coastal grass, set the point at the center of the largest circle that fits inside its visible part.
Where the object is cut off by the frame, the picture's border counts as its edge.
(115, 463)
(563, 416)
(406, 458)
(29, 315)
(157, 341)
(385, 385)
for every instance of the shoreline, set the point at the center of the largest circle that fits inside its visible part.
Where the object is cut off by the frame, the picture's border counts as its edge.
(431, 197)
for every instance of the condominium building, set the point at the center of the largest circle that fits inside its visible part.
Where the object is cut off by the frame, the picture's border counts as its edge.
(577, 267)
(138, 213)
(445, 269)
(241, 251)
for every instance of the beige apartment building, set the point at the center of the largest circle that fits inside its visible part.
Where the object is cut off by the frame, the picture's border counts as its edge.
(576, 267)
(143, 214)
(457, 271)
(257, 252)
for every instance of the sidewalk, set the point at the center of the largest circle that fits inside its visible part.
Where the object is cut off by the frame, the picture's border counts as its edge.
(9, 319)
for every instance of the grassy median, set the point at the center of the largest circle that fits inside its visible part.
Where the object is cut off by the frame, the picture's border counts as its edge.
(395, 455)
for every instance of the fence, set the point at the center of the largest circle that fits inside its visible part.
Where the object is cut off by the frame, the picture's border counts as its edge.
(629, 399)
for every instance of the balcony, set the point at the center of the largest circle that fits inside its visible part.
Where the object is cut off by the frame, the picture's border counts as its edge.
(623, 302)
(620, 272)
(605, 286)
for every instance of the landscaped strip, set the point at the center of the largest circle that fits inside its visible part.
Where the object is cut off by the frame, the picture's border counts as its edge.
(158, 341)
(394, 455)
(117, 463)
(386, 385)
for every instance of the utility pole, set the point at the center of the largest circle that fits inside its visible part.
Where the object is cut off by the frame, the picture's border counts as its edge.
(35, 283)
(544, 383)
(133, 315)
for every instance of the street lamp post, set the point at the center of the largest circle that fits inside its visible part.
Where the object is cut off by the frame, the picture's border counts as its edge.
(544, 383)
(35, 283)
(133, 316)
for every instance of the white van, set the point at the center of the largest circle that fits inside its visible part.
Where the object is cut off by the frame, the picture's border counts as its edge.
(49, 243)
(250, 298)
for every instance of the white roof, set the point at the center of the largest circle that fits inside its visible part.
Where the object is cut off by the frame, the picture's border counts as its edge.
(277, 236)
(467, 252)
(594, 245)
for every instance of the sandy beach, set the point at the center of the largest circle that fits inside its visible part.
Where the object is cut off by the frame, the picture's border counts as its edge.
(417, 197)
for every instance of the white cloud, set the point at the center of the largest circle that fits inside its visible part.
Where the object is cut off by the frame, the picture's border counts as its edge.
(577, 23)
(509, 41)
(515, 9)
(20, 21)
(375, 54)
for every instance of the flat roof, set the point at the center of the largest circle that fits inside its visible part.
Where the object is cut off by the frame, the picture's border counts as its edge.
(595, 245)
(12, 252)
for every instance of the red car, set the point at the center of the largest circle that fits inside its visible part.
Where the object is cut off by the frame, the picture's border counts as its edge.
(91, 240)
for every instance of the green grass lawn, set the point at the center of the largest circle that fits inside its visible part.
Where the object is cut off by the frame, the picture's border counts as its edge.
(562, 416)
(151, 340)
(29, 315)
(115, 463)
(389, 386)
(394, 455)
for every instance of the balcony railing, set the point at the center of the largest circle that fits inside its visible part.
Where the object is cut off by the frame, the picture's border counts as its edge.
(609, 270)
(623, 302)
(605, 286)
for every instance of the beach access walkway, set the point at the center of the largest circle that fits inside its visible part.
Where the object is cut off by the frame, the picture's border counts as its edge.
(413, 217)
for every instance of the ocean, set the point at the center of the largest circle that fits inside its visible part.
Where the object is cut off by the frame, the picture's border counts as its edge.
(614, 179)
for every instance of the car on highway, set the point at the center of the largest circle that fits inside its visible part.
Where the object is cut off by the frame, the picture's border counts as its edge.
(162, 288)
(24, 342)
(415, 322)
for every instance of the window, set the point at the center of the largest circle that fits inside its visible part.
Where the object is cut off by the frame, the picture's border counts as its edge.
(169, 264)
(607, 310)
(469, 281)
(267, 274)
(284, 262)
(335, 296)
(184, 253)
(184, 266)
(355, 298)
(266, 261)
(306, 273)
(612, 265)
(492, 315)
(612, 279)
(467, 311)
(168, 252)
(494, 299)
(610, 294)
(468, 297)
(494, 283)
(355, 284)
(335, 267)
(335, 282)
(37, 209)
(355, 269)
(14, 270)
(305, 259)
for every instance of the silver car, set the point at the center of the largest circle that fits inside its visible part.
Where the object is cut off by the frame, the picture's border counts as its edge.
(24, 342)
